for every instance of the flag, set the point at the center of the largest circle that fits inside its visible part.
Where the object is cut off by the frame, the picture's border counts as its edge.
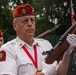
(72, 13)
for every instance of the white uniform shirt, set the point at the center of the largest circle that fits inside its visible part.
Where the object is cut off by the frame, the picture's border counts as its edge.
(17, 61)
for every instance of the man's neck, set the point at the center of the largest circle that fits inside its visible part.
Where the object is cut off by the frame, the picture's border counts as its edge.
(29, 41)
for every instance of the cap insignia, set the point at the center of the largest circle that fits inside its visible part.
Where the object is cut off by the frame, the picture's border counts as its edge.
(23, 11)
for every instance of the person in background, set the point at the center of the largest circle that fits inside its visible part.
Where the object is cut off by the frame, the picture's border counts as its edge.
(1, 38)
(74, 62)
(23, 55)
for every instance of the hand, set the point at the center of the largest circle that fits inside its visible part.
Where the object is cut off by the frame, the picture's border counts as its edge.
(49, 69)
(39, 73)
(71, 39)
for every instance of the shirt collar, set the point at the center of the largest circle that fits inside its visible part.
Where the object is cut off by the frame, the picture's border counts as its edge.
(21, 42)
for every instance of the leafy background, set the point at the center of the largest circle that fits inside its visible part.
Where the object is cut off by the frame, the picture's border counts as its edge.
(49, 13)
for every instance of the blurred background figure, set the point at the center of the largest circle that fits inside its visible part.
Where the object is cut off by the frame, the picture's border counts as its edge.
(74, 63)
(1, 38)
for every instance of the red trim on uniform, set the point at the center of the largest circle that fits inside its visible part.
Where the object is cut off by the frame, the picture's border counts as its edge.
(35, 55)
(35, 62)
(2, 55)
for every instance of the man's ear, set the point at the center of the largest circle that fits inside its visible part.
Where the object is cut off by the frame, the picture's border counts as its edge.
(14, 26)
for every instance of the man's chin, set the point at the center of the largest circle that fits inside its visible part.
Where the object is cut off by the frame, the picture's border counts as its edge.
(30, 35)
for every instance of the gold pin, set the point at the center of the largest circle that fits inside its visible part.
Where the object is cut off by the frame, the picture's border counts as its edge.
(23, 11)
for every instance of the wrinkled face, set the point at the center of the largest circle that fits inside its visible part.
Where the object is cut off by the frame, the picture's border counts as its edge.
(1, 41)
(25, 26)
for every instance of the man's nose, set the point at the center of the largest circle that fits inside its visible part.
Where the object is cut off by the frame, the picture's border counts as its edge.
(29, 22)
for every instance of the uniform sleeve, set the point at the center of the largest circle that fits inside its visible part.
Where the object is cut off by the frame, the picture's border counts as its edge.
(8, 64)
(48, 45)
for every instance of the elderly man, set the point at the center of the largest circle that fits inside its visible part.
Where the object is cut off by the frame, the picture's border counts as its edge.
(23, 55)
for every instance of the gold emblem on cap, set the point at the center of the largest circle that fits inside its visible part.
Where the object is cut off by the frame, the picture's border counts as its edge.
(23, 11)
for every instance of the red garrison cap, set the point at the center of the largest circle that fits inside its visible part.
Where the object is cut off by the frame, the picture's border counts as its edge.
(1, 33)
(23, 10)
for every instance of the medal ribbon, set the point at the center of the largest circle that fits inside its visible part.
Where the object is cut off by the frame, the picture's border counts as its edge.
(29, 55)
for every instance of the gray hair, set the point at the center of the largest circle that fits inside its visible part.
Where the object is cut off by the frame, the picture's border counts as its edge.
(15, 20)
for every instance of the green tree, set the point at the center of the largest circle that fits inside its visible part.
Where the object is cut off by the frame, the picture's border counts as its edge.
(49, 13)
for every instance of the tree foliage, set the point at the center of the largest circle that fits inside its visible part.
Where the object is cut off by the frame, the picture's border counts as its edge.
(49, 13)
